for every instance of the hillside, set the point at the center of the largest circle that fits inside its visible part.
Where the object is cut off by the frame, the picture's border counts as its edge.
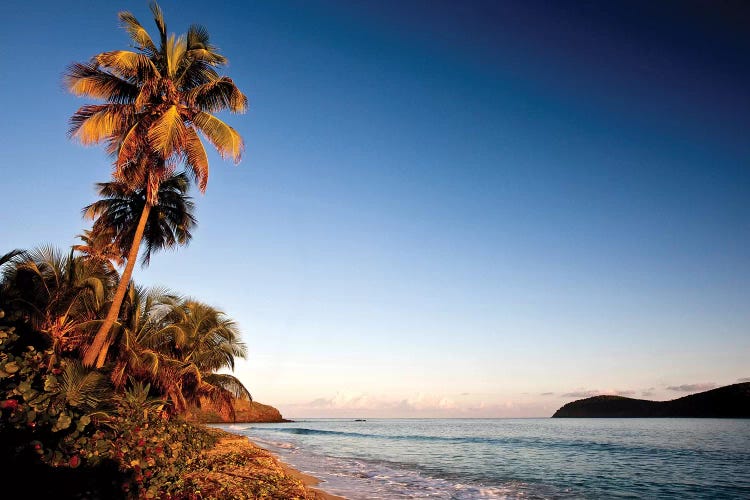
(731, 401)
(246, 411)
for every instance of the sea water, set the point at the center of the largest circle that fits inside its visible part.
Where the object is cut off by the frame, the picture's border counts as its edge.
(516, 458)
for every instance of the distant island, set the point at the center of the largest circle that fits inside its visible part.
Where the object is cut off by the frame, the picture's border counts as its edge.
(731, 401)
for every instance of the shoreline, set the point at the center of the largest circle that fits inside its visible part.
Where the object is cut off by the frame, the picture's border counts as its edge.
(238, 463)
(310, 482)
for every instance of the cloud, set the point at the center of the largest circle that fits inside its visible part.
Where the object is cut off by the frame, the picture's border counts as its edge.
(363, 401)
(692, 387)
(546, 393)
(743, 379)
(596, 392)
(581, 394)
(646, 393)
(349, 404)
(623, 393)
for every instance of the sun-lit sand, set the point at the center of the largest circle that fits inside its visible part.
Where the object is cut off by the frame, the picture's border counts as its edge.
(237, 468)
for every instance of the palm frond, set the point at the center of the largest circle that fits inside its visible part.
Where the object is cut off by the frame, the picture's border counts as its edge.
(196, 72)
(90, 80)
(224, 138)
(198, 37)
(127, 64)
(196, 159)
(216, 96)
(167, 132)
(95, 123)
(175, 50)
(128, 149)
(229, 383)
(11, 256)
(138, 33)
(85, 389)
(160, 23)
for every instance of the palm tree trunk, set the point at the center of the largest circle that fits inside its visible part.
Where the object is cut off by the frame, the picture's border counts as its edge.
(100, 343)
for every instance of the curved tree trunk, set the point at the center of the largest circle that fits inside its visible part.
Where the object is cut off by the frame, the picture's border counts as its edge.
(97, 351)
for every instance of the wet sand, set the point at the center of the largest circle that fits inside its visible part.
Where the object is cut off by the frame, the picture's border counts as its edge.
(238, 468)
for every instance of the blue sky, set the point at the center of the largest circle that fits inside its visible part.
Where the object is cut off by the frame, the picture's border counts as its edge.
(443, 210)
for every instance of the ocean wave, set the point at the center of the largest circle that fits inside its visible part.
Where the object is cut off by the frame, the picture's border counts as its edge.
(278, 444)
(539, 459)
(367, 480)
(546, 443)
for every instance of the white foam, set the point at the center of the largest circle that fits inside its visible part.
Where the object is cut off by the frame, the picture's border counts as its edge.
(276, 444)
(357, 479)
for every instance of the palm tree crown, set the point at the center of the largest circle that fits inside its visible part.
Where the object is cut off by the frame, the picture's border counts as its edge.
(156, 99)
(169, 221)
(98, 245)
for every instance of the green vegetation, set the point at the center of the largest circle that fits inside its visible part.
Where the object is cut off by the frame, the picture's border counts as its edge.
(125, 417)
(97, 373)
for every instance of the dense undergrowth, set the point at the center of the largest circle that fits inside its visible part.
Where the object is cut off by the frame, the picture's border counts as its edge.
(64, 426)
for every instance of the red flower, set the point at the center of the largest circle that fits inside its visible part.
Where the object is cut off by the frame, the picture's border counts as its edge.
(141, 442)
(11, 404)
(74, 461)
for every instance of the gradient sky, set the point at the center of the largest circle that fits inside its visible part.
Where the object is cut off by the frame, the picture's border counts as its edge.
(444, 209)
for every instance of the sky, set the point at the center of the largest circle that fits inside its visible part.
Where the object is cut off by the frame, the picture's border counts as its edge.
(445, 209)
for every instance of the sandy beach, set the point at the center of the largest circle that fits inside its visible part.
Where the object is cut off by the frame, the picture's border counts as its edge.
(238, 468)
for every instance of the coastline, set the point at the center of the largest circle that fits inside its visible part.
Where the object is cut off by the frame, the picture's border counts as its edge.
(310, 482)
(238, 468)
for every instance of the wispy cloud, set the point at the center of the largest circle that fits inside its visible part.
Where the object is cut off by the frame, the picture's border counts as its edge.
(546, 393)
(692, 387)
(581, 394)
(363, 401)
(348, 404)
(597, 392)
(743, 379)
(647, 393)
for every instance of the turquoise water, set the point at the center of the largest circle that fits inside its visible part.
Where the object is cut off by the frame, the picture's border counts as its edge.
(517, 458)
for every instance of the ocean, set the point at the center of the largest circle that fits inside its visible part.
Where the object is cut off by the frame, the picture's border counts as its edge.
(516, 458)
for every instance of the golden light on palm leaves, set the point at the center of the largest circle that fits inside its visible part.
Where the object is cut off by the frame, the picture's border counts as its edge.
(156, 99)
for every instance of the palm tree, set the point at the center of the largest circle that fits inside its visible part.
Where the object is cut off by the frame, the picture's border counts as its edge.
(210, 341)
(206, 336)
(60, 294)
(169, 222)
(156, 99)
(179, 346)
(99, 245)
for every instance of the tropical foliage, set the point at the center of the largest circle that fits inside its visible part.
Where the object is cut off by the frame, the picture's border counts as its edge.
(117, 212)
(95, 371)
(156, 101)
(167, 357)
(116, 216)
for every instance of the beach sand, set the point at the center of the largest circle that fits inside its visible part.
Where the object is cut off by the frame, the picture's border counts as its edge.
(309, 482)
(237, 468)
